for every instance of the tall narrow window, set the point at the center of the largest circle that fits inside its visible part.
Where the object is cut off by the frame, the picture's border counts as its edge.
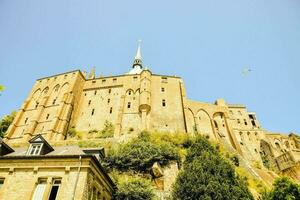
(245, 122)
(90, 102)
(164, 103)
(128, 105)
(54, 100)
(26, 120)
(37, 104)
(1, 182)
(95, 92)
(129, 93)
(93, 111)
(47, 117)
(162, 89)
(54, 189)
(110, 110)
(109, 91)
(40, 189)
(108, 100)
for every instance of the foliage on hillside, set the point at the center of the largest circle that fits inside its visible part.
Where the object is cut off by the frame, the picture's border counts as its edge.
(283, 189)
(6, 122)
(207, 175)
(134, 188)
(140, 154)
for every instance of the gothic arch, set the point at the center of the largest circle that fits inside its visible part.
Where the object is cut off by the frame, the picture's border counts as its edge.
(45, 91)
(203, 122)
(266, 153)
(190, 120)
(34, 98)
(63, 90)
(129, 92)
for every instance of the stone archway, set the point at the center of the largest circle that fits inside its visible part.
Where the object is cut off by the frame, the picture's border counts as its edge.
(203, 124)
(266, 154)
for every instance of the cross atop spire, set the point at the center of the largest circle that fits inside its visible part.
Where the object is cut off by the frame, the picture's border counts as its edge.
(138, 56)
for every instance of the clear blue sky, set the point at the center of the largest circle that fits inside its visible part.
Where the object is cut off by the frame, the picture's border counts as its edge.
(207, 43)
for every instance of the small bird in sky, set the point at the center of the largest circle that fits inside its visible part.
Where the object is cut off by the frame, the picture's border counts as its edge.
(246, 71)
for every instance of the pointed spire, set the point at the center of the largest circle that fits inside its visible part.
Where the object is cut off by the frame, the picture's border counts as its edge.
(138, 56)
(92, 73)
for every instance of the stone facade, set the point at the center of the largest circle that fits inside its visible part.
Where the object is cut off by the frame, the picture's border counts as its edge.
(141, 100)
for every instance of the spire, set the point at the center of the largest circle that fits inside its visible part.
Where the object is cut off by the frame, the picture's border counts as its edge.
(92, 73)
(138, 56)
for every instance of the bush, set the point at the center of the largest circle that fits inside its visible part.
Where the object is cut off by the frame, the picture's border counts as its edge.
(207, 175)
(140, 154)
(134, 189)
(73, 133)
(107, 131)
(6, 122)
(283, 189)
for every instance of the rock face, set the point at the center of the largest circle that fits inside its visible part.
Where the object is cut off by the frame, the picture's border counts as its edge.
(164, 177)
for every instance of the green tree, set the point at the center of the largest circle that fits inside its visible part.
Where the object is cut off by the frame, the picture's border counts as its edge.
(283, 189)
(207, 175)
(134, 189)
(140, 154)
(6, 122)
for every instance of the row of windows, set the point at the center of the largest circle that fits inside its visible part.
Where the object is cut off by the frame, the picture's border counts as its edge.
(164, 104)
(65, 77)
(40, 189)
(245, 122)
(129, 93)
(26, 119)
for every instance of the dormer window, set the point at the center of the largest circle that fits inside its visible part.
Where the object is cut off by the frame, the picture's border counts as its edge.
(39, 146)
(35, 149)
(4, 148)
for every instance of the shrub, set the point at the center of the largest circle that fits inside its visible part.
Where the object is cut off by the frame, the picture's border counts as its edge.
(207, 175)
(134, 189)
(6, 122)
(107, 131)
(73, 133)
(283, 189)
(140, 154)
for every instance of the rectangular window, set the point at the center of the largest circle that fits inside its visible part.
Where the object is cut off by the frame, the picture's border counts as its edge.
(108, 100)
(162, 89)
(26, 120)
(245, 122)
(90, 102)
(35, 149)
(47, 117)
(93, 111)
(40, 189)
(109, 91)
(164, 103)
(54, 189)
(103, 81)
(95, 92)
(135, 78)
(1, 182)
(114, 80)
(164, 79)
(54, 100)
(128, 105)
(93, 81)
(110, 110)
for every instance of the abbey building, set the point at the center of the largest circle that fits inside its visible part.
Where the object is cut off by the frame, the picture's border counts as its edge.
(142, 100)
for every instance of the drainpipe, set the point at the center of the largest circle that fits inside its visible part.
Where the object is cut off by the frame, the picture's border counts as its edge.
(77, 177)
